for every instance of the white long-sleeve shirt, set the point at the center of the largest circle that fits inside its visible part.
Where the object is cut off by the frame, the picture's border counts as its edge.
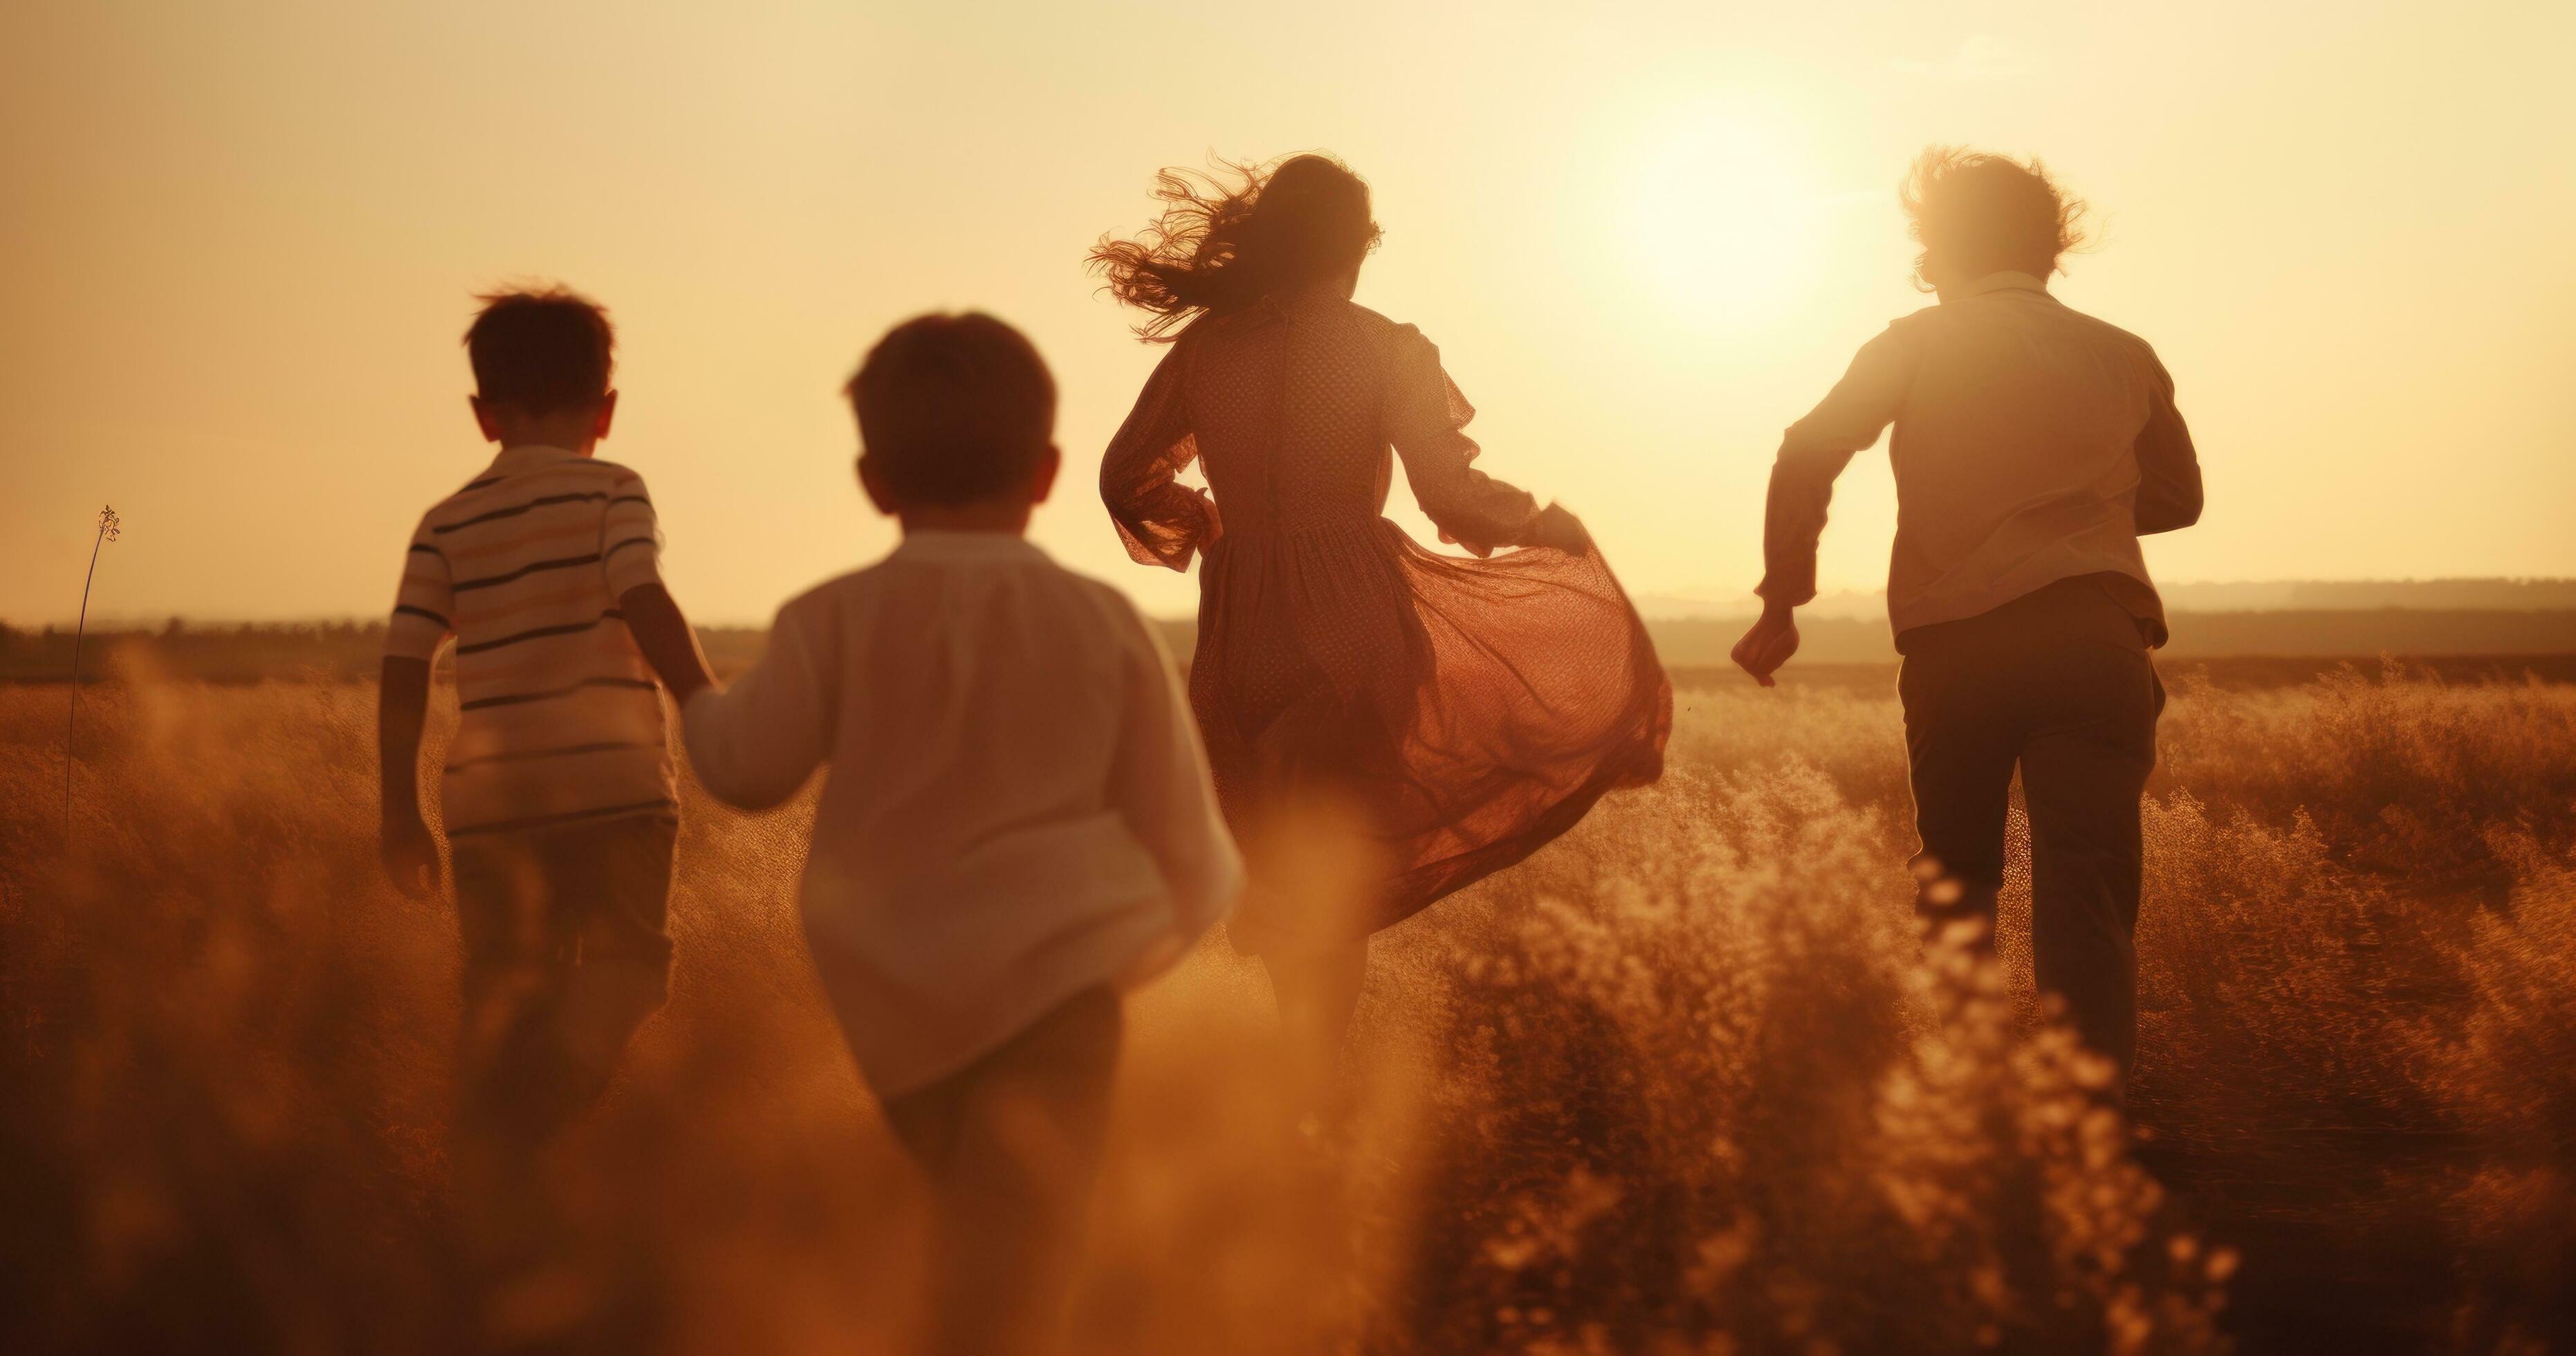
(1018, 807)
(2033, 443)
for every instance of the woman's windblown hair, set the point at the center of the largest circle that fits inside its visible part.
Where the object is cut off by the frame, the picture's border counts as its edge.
(1229, 238)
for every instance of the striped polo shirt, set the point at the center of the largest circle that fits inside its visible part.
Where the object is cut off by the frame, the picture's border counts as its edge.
(560, 720)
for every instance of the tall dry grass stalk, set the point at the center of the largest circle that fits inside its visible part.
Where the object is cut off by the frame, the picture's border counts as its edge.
(109, 529)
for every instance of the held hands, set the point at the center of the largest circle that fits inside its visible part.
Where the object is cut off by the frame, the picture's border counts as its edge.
(410, 855)
(1768, 644)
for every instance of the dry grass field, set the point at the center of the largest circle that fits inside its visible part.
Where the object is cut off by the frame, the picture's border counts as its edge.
(1680, 1084)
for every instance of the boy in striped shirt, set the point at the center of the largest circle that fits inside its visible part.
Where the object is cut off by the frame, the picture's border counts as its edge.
(557, 789)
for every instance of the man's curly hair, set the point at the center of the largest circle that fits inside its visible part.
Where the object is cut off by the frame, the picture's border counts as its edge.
(1976, 213)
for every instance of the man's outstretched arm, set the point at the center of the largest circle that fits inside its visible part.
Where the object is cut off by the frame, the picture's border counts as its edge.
(2168, 465)
(1793, 521)
(402, 707)
(1813, 453)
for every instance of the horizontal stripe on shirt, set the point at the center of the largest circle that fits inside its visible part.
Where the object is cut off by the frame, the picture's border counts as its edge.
(535, 539)
(487, 611)
(612, 714)
(560, 717)
(517, 698)
(566, 479)
(540, 633)
(564, 471)
(523, 755)
(545, 782)
(524, 571)
(516, 509)
(550, 661)
(661, 804)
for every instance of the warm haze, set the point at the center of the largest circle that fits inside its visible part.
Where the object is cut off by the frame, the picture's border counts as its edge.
(241, 243)
(1460, 956)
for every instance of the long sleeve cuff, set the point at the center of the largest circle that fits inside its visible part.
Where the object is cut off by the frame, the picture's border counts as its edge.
(1793, 521)
(1790, 587)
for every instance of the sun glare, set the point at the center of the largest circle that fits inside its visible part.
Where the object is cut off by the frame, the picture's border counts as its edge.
(1727, 216)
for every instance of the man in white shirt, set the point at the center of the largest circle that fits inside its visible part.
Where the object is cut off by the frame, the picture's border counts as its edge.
(1018, 822)
(2034, 445)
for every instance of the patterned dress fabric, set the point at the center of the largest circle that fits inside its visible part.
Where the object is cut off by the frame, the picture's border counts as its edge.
(1471, 709)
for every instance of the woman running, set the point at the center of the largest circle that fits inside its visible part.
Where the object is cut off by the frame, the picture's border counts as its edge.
(1438, 718)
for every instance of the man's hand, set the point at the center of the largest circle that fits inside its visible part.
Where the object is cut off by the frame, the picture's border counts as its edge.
(1768, 644)
(410, 856)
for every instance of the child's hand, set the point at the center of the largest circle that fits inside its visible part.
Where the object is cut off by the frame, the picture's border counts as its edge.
(410, 856)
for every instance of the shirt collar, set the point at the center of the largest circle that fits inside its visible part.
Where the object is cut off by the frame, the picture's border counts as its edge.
(528, 457)
(1997, 282)
(949, 548)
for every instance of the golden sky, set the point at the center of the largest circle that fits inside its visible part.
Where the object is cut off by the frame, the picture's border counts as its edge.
(240, 238)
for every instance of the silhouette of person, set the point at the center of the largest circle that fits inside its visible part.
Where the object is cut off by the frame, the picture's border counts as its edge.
(2034, 445)
(1386, 724)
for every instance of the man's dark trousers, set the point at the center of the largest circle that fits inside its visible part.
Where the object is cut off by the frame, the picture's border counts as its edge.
(2057, 682)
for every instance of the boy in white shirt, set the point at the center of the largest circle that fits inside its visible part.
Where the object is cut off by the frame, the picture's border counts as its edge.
(1018, 823)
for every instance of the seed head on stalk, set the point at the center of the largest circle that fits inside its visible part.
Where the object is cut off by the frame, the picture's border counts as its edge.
(110, 527)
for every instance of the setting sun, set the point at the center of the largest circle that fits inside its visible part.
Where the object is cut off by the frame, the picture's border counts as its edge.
(1727, 216)
(1023, 679)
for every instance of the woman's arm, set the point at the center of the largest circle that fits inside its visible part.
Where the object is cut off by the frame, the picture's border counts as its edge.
(1162, 521)
(1426, 420)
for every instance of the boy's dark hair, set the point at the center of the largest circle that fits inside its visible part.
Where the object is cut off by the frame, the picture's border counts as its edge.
(953, 409)
(1982, 214)
(541, 349)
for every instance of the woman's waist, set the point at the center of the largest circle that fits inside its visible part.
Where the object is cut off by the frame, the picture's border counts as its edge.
(1305, 527)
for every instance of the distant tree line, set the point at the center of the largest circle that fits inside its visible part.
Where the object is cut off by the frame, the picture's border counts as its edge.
(345, 651)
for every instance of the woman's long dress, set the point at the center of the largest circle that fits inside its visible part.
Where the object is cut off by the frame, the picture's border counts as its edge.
(1474, 709)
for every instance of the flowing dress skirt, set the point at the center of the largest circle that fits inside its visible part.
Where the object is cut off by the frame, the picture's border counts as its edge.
(1452, 714)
